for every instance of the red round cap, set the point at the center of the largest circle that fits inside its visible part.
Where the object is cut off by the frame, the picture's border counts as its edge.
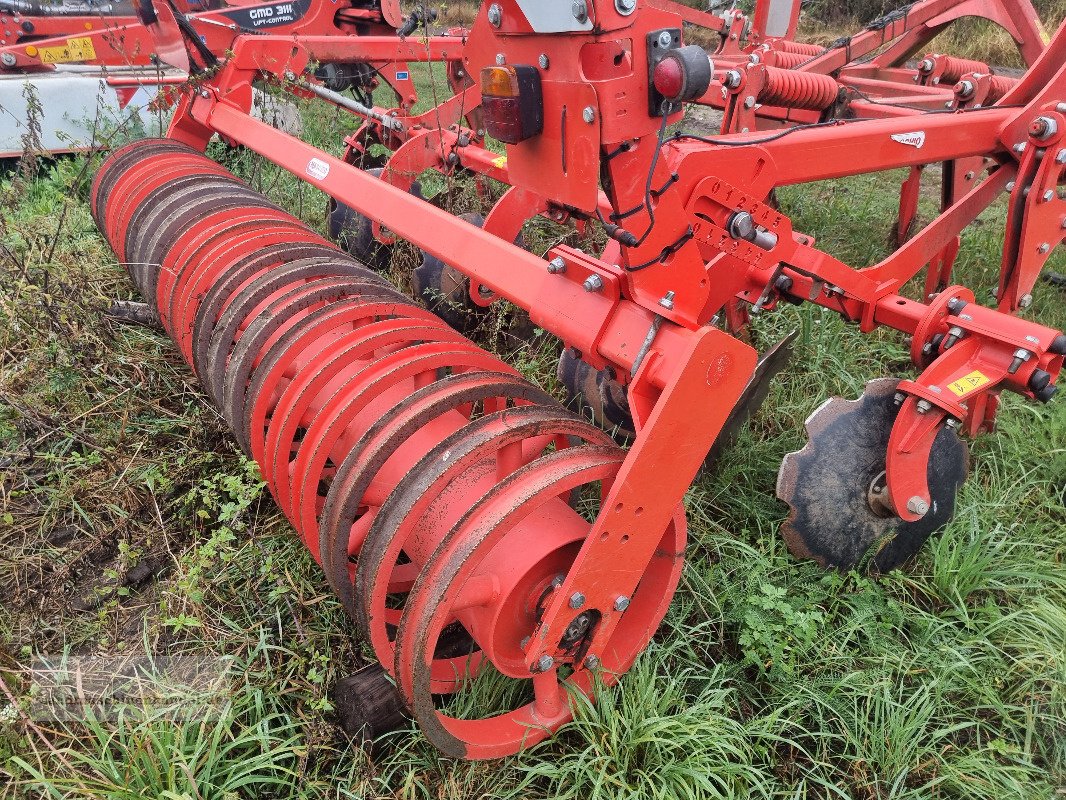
(669, 78)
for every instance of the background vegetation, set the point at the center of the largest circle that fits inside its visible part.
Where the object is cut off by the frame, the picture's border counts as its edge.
(129, 524)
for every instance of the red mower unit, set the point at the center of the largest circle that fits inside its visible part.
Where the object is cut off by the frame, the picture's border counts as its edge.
(477, 531)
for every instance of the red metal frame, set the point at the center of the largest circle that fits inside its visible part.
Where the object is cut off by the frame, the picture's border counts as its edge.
(644, 307)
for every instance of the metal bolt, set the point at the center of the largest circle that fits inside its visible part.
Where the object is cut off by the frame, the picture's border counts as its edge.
(1021, 355)
(964, 88)
(1043, 248)
(621, 603)
(953, 423)
(556, 266)
(524, 643)
(1061, 108)
(592, 662)
(665, 39)
(545, 663)
(1060, 157)
(495, 15)
(1048, 196)
(7, 59)
(924, 406)
(970, 175)
(1010, 186)
(1019, 148)
(1043, 128)
(625, 7)
(544, 61)
(668, 301)
(926, 65)
(927, 349)
(899, 396)
(501, 59)
(732, 79)
(577, 600)
(749, 102)
(954, 334)
(593, 283)
(581, 11)
(205, 94)
(589, 114)
(917, 505)
(956, 304)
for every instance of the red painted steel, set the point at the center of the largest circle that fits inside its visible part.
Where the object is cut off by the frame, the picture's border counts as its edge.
(453, 490)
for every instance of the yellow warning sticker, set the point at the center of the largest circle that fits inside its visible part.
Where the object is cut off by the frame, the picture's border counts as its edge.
(968, 383)
(500, 163)
(74, 50)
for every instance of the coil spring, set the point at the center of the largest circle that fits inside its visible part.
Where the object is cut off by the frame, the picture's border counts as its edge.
(954, 68)
(798, 89)
(800, 48)
(380, 432)
(785, 60)
(998, 86)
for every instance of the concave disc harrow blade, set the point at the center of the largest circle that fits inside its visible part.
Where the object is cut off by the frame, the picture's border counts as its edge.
(383, 434)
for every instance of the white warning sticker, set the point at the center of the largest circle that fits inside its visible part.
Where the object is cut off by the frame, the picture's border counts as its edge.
(317, 169)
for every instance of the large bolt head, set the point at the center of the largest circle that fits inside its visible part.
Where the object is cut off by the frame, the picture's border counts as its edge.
(577, 600)
(581, 11)
(665, 39)
(545, 663)
(621, 603)
(7, 59)
(593, 283)
(917, 505)
(589, 114)
(625, 7)
(544, 61)
(924, 407)
(742, 226)
(1043, 128)
(556, 266)
(495, 15)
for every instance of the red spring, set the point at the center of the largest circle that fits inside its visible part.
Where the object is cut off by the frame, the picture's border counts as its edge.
(998, 86)
(955, 68)
(798, 89)
(788, 60)
(384, 434)
(800, 48)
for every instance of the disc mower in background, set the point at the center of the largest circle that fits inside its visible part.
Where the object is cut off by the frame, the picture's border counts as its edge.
(478, 532)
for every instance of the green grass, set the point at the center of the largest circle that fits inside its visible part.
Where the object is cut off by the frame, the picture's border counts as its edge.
(769, 677)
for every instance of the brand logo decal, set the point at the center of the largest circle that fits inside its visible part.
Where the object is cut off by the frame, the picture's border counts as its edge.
(916, 139)
(317, 169)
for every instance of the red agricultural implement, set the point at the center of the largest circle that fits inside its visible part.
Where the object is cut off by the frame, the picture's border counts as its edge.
(477, 531)
(90, 65)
